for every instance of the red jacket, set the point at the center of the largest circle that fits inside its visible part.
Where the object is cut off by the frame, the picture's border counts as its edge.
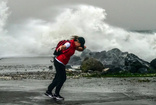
(65, 57)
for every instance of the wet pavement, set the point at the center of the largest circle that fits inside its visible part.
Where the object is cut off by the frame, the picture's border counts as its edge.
(83, 91)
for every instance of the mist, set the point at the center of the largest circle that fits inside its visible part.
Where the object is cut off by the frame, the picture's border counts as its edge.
(36, 37)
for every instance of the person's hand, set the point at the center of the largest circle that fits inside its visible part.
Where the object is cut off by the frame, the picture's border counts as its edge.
(62, 47)
(59, 49)
(80, 48)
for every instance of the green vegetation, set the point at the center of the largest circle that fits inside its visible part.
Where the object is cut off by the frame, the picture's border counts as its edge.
(98, 75)
(123, 75)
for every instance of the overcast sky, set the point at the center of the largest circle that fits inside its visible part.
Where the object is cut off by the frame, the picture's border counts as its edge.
(128, 14)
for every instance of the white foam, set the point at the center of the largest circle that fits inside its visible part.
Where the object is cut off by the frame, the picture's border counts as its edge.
(37, 36)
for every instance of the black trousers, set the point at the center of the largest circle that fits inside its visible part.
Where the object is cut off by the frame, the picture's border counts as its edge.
(59, 79)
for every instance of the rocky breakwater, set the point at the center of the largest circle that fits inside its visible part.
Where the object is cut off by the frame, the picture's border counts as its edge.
(113, 61)
(153, 64)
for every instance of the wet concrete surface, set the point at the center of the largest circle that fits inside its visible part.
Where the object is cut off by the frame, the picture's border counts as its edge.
(83, 91)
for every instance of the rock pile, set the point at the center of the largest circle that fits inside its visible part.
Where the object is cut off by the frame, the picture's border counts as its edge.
(114, 60)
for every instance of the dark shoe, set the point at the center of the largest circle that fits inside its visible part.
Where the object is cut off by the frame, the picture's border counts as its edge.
(49, 94)
(58, 97)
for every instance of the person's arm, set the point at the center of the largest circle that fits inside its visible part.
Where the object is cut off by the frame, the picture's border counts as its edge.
(63, 47)
(80, 48)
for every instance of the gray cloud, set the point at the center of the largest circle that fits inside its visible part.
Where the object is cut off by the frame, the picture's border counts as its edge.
(128, 14)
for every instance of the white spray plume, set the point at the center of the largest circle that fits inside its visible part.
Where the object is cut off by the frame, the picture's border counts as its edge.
(3, 16)
(37, 37)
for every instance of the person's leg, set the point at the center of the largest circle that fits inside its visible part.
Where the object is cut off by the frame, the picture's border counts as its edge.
(55, 80)
(61, 80)
(53, 84)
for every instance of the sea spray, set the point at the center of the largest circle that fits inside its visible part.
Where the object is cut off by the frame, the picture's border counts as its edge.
(3, 16)
(37, 36)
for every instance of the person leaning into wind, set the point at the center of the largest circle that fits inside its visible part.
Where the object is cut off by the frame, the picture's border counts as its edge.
(76, 43)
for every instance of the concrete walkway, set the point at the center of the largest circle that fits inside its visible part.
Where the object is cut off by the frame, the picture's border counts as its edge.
(105, 91)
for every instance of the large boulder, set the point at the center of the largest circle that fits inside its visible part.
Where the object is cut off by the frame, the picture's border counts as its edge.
(75, 60)
(136, 65)
(153, 65)
(91, 64)
(86, 53)
(113, 58)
